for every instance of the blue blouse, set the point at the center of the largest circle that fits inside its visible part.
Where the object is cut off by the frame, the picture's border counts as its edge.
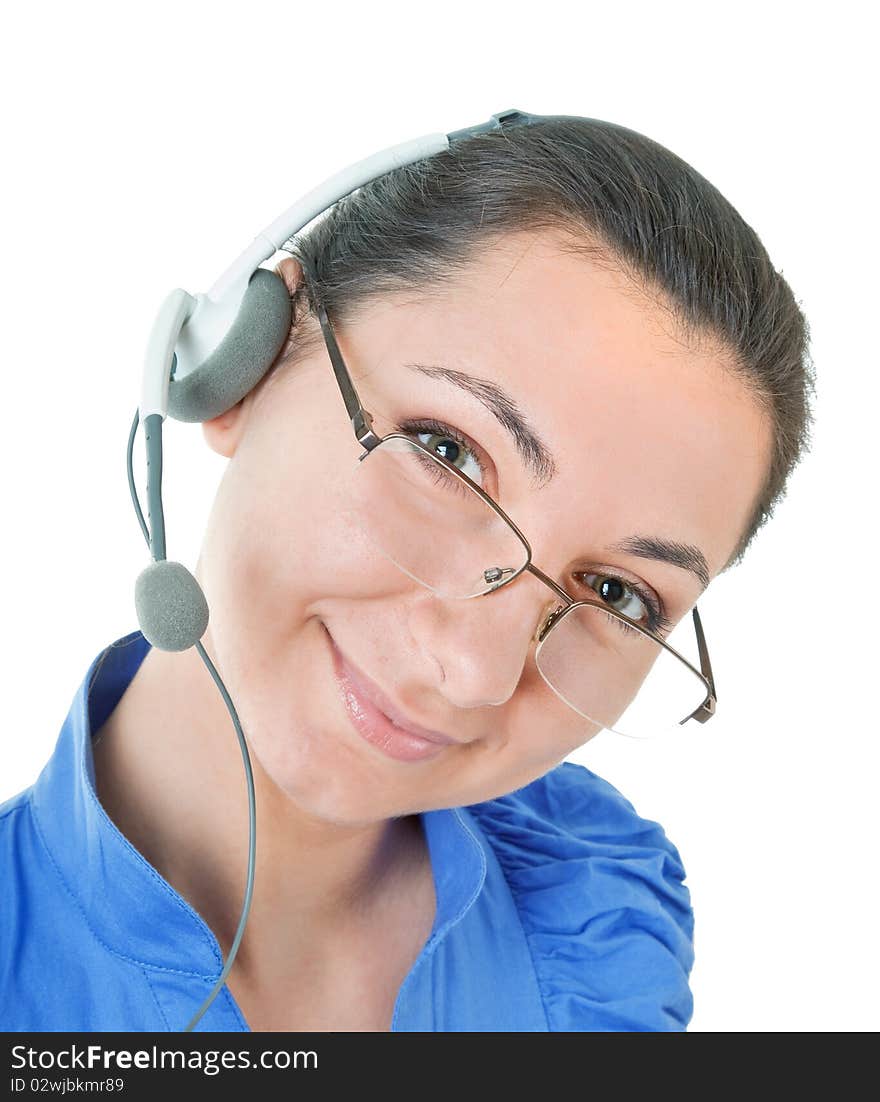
(558, 909)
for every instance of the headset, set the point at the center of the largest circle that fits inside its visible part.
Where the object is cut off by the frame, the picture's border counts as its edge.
(205, 352)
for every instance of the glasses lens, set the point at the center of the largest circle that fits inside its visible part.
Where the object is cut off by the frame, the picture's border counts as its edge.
(617, 677)
(431, 524)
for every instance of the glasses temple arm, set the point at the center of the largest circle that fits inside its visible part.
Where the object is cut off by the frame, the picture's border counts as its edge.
(707, 708)
(361, 419)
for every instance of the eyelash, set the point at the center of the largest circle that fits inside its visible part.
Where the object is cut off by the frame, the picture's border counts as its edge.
(657, 621)
(440, 428)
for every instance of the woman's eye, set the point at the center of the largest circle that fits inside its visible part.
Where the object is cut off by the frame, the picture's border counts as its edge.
(449, 444)
(627, 598)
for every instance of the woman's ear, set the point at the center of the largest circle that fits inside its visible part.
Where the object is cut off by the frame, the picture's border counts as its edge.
(223, 432)
(291, 272)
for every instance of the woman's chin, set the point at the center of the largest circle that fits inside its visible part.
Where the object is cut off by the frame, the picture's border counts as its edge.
(319, 776)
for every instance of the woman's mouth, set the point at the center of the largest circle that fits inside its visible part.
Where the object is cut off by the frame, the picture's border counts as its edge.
(360, 696)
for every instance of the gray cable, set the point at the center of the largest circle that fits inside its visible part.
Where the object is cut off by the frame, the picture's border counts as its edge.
(252, 802)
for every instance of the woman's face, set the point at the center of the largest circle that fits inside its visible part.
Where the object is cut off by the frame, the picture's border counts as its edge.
(647, 436)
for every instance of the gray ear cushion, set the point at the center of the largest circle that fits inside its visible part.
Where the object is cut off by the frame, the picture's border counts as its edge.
(242, 358)
(171, 607)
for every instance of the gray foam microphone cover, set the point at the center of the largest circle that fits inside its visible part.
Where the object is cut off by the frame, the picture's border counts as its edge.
(171, 607)
(242, 358)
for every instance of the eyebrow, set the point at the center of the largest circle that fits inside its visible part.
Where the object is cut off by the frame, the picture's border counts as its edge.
(534, 452)
(539, 460)
(685, 555)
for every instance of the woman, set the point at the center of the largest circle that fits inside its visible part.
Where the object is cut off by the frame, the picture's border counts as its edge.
(576, 320)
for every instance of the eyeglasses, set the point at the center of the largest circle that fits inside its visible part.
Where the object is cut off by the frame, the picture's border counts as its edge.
(443, 530)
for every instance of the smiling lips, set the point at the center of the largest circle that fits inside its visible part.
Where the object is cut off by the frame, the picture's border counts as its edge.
(377, 721)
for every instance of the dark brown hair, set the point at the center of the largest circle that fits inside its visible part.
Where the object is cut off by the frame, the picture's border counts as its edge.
(620, 198)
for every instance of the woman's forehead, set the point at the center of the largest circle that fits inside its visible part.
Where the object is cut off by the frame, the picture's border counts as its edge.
(528, 303)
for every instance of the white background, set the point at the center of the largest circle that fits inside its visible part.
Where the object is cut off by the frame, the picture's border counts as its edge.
(145, 147)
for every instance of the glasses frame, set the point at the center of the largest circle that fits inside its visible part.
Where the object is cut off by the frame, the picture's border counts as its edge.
(362, 424)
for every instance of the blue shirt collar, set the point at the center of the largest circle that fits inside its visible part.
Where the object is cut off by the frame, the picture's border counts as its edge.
(128, 906)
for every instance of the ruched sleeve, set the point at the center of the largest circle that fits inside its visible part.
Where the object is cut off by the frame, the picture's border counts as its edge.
(602, 900)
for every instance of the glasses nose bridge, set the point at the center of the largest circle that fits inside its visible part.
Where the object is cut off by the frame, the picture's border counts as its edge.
(559, 594)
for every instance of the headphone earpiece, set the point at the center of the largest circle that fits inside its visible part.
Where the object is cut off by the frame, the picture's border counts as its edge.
(259, 332)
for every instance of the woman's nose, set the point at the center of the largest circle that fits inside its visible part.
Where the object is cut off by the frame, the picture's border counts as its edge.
(483, 643)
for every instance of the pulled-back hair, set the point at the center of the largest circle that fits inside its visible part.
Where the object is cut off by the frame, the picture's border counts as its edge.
(619, 198)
